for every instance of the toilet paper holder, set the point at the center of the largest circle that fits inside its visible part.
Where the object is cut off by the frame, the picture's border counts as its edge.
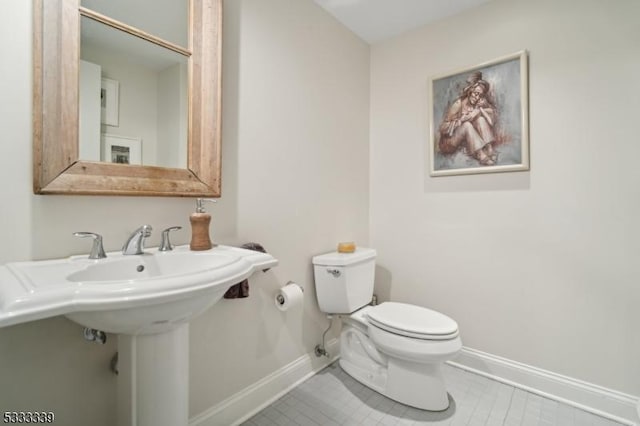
(280, 298)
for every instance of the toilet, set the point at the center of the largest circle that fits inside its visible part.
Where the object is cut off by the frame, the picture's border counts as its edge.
(396, 349)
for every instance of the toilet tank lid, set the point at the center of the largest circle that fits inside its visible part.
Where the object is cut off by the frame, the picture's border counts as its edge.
(343, 259)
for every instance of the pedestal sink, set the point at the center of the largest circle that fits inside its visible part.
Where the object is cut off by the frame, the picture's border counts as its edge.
(147, 300)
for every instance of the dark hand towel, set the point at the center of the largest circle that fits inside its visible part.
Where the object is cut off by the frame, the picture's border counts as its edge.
(241, 290)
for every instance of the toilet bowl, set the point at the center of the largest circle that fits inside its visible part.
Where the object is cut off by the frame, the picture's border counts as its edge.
(404, 365)
(396, 349)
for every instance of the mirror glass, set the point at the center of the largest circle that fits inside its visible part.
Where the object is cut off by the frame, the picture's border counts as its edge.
(166, 19)
(133, 99)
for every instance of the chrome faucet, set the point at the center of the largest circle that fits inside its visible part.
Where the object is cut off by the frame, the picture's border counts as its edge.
(135, 242)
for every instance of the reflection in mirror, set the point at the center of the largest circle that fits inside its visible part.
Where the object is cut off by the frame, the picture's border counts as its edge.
(167, 19)
(133, 99)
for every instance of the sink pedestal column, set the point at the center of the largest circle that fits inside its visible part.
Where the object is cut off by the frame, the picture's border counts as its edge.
(153, 378)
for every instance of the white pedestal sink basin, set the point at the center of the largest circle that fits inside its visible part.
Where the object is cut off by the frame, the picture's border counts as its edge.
(147, 300)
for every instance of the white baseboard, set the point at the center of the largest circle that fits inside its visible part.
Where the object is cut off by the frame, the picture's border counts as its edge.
(604, 402)
(248, 402)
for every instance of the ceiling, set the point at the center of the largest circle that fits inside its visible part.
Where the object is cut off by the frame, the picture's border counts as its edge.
(377, 20)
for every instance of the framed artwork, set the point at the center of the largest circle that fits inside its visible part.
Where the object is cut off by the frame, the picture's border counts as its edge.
(121, 149)
(479, 118)
(109, 94)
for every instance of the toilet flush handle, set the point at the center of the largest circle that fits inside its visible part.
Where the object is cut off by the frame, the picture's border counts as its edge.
(335, 272)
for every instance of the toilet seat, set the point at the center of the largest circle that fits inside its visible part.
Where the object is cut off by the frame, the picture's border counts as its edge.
(412, 321)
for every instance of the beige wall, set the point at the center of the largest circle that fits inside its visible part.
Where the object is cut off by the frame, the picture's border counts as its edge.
(295, 178)
(538, 267)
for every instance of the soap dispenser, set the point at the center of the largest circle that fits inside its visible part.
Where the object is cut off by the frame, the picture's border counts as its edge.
(200, 221)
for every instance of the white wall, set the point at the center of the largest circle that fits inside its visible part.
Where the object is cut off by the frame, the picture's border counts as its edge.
(295, 178)
(90, 76)
(540, 266)
(173, 112)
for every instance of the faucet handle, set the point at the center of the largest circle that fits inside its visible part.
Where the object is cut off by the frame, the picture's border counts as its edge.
(165, 244)
(97, 251)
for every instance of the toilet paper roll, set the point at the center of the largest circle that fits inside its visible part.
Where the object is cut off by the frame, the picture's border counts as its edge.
(289, 296)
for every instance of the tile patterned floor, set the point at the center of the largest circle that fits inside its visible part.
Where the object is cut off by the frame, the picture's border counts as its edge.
(333, 398)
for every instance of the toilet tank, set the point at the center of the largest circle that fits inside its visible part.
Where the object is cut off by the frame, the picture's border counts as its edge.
(344, 281)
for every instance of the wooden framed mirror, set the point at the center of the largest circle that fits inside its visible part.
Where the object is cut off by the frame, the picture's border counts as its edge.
(58, 167)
